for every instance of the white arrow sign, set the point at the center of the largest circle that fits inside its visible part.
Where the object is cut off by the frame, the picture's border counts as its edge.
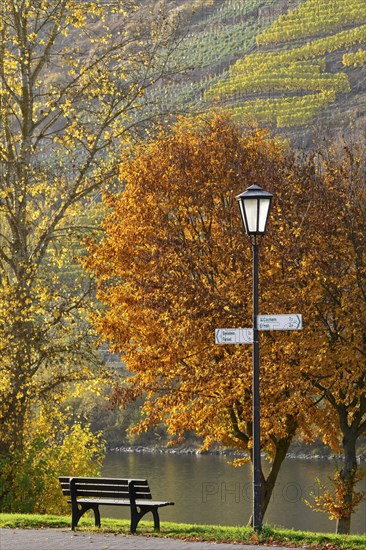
(234, 336)
(279, 322)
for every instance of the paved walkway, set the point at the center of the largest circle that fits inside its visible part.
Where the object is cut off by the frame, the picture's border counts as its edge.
(64, 539)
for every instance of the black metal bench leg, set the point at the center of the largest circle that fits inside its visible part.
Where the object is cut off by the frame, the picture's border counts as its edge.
(96, 515)
(135, 518)
(155, 513)
(78, 512)
(75, 520)
(76, 515)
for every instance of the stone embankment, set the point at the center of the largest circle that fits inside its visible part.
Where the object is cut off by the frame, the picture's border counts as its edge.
(193, 450)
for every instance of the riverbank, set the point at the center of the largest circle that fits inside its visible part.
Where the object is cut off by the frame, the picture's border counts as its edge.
(312, 454)
(49, 525)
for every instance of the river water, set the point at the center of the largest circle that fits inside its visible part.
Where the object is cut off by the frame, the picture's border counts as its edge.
(208, 490)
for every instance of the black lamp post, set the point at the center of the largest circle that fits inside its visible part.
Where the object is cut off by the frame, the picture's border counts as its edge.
(254, 206)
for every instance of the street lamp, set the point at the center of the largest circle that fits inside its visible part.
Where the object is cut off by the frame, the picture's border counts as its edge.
(255, 204)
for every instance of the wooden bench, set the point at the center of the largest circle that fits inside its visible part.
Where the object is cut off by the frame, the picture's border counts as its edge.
(87, 493)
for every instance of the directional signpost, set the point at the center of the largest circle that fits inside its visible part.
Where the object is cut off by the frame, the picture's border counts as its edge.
(279, 322)
(264, 322)
(234, 336)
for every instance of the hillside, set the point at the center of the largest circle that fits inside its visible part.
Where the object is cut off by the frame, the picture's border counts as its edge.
(297, 66)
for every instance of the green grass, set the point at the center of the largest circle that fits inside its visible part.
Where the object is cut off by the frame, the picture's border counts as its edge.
(269, 535)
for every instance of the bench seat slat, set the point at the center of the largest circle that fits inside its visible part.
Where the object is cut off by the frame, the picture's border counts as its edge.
(103, 494)
(124, 502)
(106, 501)
(156, 503)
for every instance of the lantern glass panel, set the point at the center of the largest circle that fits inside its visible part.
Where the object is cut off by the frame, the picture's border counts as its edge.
(251, 214)
(264, 205)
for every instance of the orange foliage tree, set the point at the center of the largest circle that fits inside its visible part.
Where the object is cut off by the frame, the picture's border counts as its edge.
(318, 241)
(332, 288)
(174, 266)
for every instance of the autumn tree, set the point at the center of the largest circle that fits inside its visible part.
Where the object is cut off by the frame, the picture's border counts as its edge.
(174, 265)
(332, 282)
(323, 261)
(74, 83)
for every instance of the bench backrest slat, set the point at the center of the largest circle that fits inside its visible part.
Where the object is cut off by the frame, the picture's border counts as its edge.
(106, 487)
(140, 488)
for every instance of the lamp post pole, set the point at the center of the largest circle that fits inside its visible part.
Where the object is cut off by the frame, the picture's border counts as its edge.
(257, 470)
(254, 204)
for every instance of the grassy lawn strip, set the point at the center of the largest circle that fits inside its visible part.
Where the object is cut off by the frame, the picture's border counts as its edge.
(269, 535)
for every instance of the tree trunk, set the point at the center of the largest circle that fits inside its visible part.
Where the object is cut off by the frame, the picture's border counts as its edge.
(268, 484)
(347, 473)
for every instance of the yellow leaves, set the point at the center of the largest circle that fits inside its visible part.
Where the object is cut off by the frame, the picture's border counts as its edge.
(10, 64)
(340, 500)
(32, 37)
(76, 16)
(50, 446)
(66, 105)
